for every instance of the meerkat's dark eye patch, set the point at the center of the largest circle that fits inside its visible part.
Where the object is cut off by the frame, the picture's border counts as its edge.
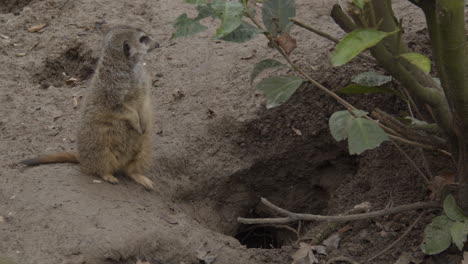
(145, 40)
(126, 49)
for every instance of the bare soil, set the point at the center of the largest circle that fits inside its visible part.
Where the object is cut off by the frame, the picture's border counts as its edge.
(218, 150)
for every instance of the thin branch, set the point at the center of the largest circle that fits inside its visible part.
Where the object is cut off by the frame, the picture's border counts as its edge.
(325, 35)
(419, 145)
(316, 31)
(411, 161)
(292, 217)
(399, 239)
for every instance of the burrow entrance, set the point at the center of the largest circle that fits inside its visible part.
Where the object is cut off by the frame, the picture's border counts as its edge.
(302, 179)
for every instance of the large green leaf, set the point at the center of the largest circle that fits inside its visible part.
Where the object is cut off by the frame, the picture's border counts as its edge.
(243, 33)
(204, 11)
(276, 14)
(452, 210)
(354, 43)
(361, 89)
(371, 78)
(459, 231)
(230, 15)
(340, 122)
(263, 65)
(437, 237)
(421, 61)
(278, 89)
(186, 26)
(364, 134)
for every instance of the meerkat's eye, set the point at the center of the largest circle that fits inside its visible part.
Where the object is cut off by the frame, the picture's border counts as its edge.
(145, 40)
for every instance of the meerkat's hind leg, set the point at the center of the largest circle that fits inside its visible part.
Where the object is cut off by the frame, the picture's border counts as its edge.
(134, 171)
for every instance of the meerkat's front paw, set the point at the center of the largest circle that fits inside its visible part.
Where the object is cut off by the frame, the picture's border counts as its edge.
(109, 178)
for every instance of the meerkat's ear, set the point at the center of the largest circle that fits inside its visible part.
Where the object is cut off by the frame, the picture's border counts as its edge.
(126, 49)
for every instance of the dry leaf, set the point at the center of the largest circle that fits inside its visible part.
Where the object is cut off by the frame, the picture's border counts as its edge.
(344, 229)
(97, 181)
(465, 258)
(37, 28)
(321, 250)
(439, 183)
(286, 42)
(297, 131)
(72, 80)
(22, 54)
(304, 255)
(364, 205)
(332, 241)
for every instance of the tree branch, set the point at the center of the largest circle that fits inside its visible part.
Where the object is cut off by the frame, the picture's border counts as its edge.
(292, 217)
(316, 31)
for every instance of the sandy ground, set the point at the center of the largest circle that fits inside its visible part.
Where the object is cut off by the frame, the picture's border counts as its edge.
(217, 149)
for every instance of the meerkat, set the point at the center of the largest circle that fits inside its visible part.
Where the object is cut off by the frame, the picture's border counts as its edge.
(115, 133)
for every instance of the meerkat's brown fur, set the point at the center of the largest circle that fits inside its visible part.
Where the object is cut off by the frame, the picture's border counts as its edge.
(115, 133)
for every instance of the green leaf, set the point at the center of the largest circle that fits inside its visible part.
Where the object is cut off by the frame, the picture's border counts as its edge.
(204, 11)
(278, 89)
(276, 14)
(263, 65)
(242, 34)
(361, 89)
(364, 134)
(196, 2)
(340, 122)
(231, 16)
(459, 231)
(437, 237)
(371, 78)
(186, 26)
(359, 3)
(452, 210)
(355, 42)
(419, 60)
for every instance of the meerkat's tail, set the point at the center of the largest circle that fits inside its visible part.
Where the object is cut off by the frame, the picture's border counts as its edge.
(60, 157)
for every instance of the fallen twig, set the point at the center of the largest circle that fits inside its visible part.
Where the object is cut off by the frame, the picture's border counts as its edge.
(399, 239)
(292, 217)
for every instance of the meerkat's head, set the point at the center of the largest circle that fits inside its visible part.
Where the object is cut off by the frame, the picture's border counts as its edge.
(128, 44)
